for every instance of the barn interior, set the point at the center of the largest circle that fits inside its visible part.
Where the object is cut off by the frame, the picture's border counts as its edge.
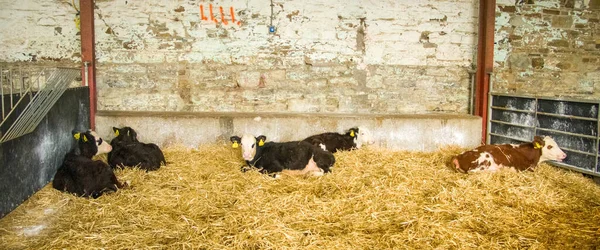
(429, 78)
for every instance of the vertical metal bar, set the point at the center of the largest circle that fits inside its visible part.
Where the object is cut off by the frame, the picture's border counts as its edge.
(535, 116)
(86, 8)
(471, 72)
(38, 79)
(10, 81)
(28, 90)
(21, 80)
(489, 120)
(2, 90)
(86, 71)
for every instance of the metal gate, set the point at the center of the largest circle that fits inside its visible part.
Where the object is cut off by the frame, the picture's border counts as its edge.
(572, 123)
(26, 97)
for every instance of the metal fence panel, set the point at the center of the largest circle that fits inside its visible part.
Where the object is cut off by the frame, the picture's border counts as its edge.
(573, 124)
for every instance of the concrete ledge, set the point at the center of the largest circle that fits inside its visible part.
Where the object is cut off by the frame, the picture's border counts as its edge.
(422, 132)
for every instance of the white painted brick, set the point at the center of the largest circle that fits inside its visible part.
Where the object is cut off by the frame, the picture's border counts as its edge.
(436, 38)
(448, 52)
(318, 83)
(323, 34)
(505, 2)
(148, 58)
(248, 79)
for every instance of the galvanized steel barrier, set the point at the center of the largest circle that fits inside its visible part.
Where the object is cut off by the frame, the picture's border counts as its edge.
(572, 123)
(28, 95)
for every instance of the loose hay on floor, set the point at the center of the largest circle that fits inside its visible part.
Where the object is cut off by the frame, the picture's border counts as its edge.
(374, 199)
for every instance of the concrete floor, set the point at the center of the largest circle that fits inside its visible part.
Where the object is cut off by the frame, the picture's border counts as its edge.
(419, 132)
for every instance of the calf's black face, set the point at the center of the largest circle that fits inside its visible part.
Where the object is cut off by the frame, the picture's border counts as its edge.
(125, 134)
(90, 144)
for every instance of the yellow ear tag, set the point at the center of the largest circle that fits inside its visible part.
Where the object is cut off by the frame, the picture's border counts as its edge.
(127, 132)
(77, 21)
(84, 138)
(352, 133)
(116, 132)
(261, 143)
(77, 136)
(537, 145)
(235, 145)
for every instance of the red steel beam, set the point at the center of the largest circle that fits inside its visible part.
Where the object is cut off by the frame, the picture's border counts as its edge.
(485, 61)
(88, 53)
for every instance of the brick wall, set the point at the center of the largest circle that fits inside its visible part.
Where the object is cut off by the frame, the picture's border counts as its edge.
(40, 32)
(548, 48)
(383, 56)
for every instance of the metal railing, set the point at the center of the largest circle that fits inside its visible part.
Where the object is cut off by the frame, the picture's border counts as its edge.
(573, 123)
(28, 95)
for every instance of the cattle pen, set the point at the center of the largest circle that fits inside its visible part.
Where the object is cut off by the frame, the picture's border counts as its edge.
(281, 124)
(374, 199)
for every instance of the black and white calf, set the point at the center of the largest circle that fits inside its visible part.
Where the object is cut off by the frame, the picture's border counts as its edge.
(333, 142)
(274, 157)
(82, 176)
(128, 151)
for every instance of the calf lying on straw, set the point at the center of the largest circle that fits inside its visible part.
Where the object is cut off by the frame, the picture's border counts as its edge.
(521, 157)
(82, 176)
(128, 151)
(333, 142)
(273, 157)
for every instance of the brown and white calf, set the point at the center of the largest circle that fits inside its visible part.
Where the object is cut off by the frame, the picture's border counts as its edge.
(525, 156)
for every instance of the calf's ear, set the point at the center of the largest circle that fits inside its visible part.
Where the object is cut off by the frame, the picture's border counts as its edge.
(538, 142)
(133, 134)
(261, 140)
(76, 135)
(353, 132)
(235, 140)
(116, 131)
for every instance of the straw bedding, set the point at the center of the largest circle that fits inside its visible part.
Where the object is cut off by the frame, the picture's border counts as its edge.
(374, 199)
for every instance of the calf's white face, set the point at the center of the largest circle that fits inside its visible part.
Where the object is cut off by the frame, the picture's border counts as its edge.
(103, 146)
(364, 137)
(248, 147)
(551, 151)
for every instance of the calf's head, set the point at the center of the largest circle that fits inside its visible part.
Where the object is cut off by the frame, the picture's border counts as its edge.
(249, 144)
(89, 143)
(125, 134)
(362, 136)
(550, 149)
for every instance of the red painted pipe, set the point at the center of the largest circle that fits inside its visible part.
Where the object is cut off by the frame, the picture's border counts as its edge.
(485, 61)
(88, 55)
